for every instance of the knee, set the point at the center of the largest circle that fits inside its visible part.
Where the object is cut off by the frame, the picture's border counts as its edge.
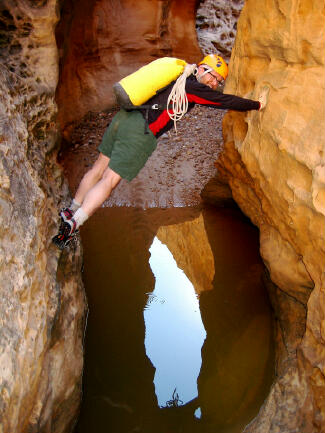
(111, 177)
(96, 173)
(98, 169)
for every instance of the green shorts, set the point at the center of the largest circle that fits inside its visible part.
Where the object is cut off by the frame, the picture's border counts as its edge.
(126, 143)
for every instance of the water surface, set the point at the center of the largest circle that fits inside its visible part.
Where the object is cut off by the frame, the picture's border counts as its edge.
(179, 335)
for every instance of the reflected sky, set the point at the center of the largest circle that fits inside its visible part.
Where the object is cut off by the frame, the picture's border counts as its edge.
(174, 329)
(119, 381)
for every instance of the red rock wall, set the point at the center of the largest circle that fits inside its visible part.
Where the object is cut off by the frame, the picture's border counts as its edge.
(101, 42)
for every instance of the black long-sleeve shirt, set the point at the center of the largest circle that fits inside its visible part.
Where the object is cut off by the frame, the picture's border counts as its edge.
(197, 93)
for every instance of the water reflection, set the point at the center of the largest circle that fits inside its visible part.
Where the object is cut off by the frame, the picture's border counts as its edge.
(174, 330)
(218, 253)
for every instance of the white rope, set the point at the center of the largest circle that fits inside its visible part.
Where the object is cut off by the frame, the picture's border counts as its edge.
(177, 97)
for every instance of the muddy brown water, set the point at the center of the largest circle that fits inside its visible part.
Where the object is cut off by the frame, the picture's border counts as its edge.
(179, 333)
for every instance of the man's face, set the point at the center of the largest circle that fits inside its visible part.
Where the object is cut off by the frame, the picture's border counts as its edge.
(211, 79)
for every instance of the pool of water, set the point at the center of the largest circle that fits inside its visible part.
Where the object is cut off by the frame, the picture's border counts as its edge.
(179, 333)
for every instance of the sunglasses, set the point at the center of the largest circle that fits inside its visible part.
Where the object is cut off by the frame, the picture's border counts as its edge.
(219, 81)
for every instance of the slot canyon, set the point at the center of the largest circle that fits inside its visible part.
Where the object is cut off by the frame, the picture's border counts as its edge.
(58, 62)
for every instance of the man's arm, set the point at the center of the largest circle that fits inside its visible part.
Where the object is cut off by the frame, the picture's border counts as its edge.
(201, 94)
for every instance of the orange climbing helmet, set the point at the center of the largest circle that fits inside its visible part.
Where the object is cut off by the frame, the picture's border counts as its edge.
(216, 63)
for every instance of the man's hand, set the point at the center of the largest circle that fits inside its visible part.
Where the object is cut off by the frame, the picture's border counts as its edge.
(263, 98)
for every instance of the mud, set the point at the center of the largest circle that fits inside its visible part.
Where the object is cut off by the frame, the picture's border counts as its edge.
(174, 175)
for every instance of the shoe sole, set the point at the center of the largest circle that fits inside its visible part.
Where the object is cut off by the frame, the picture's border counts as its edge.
(60, 243)
(58, 240)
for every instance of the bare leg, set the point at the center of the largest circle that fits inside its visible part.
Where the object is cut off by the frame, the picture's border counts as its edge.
(96, 196)
(95, 187)
(91, 177)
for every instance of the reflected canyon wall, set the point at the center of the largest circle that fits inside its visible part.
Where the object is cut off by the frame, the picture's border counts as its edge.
(218, 252)
(273, 161)
(190, 247)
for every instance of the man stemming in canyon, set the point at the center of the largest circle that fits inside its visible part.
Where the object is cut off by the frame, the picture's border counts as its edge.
(132, 136)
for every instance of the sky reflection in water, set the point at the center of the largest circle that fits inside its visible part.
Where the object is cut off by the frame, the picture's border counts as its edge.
(174, 329)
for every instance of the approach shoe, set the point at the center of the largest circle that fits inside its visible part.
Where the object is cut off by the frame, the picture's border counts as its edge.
(67, 232)
(65, 214)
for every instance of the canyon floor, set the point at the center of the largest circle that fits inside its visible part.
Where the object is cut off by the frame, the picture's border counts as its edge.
(174, 175)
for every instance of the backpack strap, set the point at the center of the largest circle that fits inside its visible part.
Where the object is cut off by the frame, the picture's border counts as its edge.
(147, 108)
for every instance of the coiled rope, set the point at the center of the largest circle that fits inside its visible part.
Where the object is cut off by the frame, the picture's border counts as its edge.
(177, 100)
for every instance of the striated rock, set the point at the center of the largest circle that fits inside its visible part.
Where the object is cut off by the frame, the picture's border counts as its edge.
(42, 307)
(101, 42)
(274, 163)
(216, 23)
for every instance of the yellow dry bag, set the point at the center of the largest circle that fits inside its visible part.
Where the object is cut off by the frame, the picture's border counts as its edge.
(137, 88)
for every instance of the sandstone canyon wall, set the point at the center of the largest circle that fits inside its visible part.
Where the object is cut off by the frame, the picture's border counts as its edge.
(274, 163)
(101, 42)
(42, 302)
